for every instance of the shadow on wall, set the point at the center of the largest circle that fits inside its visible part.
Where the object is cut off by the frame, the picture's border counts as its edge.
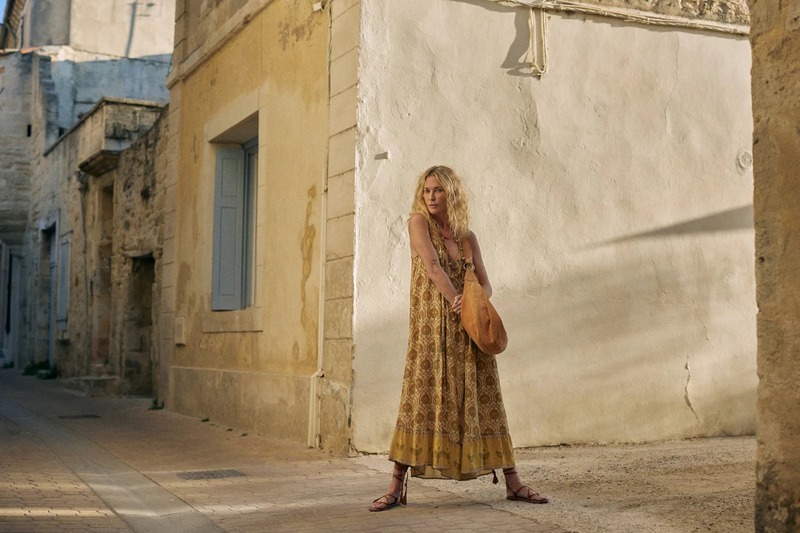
(652, 334)
(646, 337)
(740, 218)
(515, 61)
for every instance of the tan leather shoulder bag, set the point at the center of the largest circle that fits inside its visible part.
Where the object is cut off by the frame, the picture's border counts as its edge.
(478, 315)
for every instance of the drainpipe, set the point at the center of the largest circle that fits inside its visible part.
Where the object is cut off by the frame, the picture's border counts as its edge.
(314, 402)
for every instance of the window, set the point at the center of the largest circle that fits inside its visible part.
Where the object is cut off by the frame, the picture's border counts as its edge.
(234, 225)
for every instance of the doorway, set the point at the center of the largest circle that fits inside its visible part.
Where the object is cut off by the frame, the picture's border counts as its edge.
(139, 326)
(101, 289)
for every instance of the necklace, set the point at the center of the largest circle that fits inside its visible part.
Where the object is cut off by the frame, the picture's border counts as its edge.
(454, 264)
(441, 230)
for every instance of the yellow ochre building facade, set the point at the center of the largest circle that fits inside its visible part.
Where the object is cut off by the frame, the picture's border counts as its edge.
(253, 236)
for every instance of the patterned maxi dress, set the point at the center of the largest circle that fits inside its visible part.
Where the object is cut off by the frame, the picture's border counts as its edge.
(451, 421)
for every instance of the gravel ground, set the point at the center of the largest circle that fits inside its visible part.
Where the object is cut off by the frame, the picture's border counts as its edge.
(677, 486)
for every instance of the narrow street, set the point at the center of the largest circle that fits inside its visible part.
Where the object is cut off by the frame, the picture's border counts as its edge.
(73, 463)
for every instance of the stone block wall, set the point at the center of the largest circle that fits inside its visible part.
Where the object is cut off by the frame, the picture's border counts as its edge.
(137, 258)
(775, 41)
(201, 27)
(72, 190)
(9, 37)
(336, 393)
(15, 145)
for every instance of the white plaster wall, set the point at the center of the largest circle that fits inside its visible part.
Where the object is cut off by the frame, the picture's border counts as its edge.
(614, 219)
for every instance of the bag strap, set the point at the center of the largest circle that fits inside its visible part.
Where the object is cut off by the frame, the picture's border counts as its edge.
(466, 254)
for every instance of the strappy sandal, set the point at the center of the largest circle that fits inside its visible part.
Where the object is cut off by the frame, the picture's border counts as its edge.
(530, 497)
(387, 504)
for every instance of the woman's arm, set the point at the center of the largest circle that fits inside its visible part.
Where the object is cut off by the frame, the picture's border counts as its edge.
(480, 269)
(422, 245)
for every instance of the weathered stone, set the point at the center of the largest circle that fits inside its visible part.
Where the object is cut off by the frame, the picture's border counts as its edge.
(15, 145)
(137, 259)
(108, 223)
(727, 11)
(62, 153)
(776, 151)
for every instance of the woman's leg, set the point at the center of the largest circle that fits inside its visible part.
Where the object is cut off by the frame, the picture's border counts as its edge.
(393, 495)
(517, 490)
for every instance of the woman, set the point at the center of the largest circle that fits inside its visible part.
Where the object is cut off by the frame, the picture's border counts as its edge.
(451, 422)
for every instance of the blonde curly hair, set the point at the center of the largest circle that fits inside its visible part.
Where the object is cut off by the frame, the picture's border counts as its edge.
(457, 206)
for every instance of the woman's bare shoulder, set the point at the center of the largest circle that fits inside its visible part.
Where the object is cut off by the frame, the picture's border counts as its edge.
(417, 220)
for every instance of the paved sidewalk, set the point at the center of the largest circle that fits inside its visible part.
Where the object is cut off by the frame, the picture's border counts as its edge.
(69, 462)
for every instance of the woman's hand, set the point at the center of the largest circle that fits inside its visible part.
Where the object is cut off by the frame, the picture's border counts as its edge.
(456, 305)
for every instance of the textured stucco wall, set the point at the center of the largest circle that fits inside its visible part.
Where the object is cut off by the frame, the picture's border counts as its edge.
(612, 200)
(776, 113)
(252, 368)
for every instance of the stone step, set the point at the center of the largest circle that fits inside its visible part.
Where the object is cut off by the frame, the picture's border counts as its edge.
(100, 386)
(98, 370)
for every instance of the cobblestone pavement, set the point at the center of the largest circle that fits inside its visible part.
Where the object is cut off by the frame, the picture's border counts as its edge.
(69, 462)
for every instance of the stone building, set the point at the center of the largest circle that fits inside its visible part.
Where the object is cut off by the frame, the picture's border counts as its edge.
(259, 276)
(71, 99)
(15, 79)
(79, 215)
(776, 141)
(607, 150)
(243, 257)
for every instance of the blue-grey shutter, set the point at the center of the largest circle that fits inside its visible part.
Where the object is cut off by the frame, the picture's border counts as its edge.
(227, 292)
(62, 301)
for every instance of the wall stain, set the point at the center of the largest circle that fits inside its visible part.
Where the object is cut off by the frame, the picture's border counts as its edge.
(308, 313)
(181, 280)
(294, 30)
(195, 155)
(295, 351)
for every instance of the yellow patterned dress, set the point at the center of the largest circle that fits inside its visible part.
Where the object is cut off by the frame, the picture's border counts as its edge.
(451, 422)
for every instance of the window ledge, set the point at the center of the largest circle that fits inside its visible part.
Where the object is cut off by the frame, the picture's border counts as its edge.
(232, 321)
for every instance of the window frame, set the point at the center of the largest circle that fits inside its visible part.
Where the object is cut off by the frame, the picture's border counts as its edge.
(240, 291)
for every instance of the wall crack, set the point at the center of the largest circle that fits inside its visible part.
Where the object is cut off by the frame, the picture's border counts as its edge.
(686, 390)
